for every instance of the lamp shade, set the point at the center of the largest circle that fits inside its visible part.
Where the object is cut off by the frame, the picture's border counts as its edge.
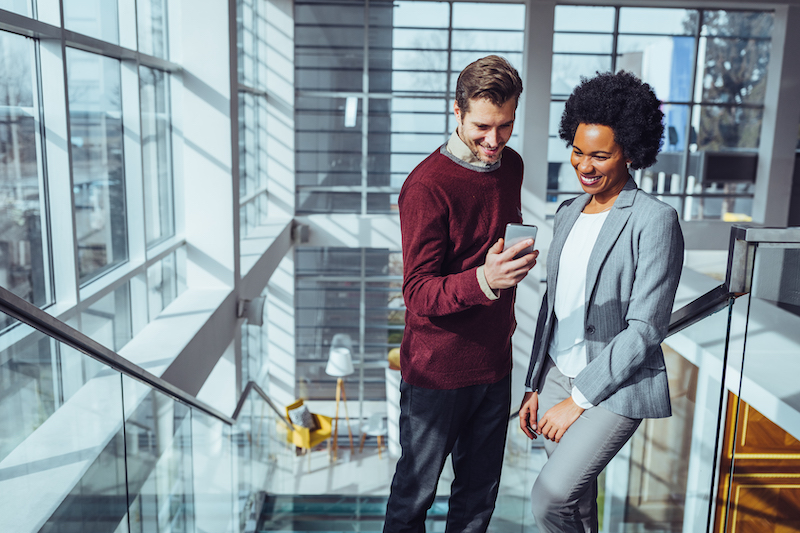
(340, 362)
(340, 359)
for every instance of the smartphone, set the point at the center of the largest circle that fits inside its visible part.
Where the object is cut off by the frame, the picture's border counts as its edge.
(519, 232)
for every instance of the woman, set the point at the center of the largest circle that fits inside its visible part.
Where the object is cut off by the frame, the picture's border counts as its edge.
(613, 268)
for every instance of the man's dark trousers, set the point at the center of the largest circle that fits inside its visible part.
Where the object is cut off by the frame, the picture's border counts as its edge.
(471, 422)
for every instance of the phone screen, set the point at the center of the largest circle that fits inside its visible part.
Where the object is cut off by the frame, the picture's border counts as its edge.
(519, 232)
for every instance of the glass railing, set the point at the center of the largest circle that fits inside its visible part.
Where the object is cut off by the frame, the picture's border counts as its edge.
(758, 487)
(122, 451)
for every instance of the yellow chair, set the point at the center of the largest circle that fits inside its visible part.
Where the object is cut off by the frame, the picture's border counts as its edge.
(307, 438)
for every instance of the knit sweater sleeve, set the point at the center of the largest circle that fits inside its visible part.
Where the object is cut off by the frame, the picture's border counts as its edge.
(428, 288)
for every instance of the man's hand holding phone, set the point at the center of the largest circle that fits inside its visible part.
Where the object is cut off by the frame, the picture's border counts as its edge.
(508, 263)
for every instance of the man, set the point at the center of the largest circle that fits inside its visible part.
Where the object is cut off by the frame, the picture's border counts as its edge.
(458, 286)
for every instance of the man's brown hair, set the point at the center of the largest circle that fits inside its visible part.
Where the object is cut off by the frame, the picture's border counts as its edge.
(491, 77)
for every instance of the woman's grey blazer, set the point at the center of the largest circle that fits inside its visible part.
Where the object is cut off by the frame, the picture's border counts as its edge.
(631, 280)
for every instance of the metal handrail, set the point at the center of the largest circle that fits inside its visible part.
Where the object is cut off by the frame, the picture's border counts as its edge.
(29, 314)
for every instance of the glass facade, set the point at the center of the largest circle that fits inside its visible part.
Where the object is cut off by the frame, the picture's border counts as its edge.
(157, 155)
(708, 67)
(98, 170)
(356, 292)
(375, 91)
(24, 263)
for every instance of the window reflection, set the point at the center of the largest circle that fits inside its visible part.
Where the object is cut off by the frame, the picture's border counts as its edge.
(97, 161)
(108, 321)
(95, 18)
(325, 307)
(23, 7)
(156, 155)
(27, 385)
(164, 283)
(151, 16)
(23, 257)
(717, 127)
(415, 49)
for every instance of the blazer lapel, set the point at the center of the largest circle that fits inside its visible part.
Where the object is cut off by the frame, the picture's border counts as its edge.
(617, 218)
(565, 218)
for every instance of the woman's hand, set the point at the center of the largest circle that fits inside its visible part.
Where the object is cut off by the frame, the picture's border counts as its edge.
(527, 414)
(557, 420)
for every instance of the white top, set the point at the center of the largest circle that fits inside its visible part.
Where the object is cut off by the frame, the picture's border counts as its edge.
(567, 347)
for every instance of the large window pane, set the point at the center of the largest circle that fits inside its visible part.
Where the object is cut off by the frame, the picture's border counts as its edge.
(152, 26)
(582, 42)
(156, 155)
(23, 7)
(327, 306)
(164, 283)
(728, 128)
(95, 18)
(568, 69)
(665, 62)
(716, 127)
(734, 70)
(421, 14)
(488, 16)
(584, 18)
(414, 50)
(108, 321)
(97, 161)
(23, 254)
(659, 21)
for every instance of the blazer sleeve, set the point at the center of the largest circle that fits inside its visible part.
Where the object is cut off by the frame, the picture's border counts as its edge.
(658, 261)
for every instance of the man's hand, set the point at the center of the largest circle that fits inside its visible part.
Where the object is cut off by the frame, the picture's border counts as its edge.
(502, 271)
(557, 420)
(527, 414)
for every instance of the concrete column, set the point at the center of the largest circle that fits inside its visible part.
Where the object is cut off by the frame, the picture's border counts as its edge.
(776, 153)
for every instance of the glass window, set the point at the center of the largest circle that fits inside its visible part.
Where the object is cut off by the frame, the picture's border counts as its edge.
(329, 306)
(151, 16)
(568, 69)
(164, 284)
(24, 262)
(421, 14)
(156, 154)
(657, 21)
(95, 18)
(582, 43)
(488, 16)
(23, 7)
(28, 377)
(717, 127)
(734, 70)
(585, 19)
(97, 161)
(416, 49)
(108, 321)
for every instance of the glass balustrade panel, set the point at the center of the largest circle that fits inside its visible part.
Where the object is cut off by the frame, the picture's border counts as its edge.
(212, 465)
(663, 479)
(759, 488)
(158, 440)
(62, 448)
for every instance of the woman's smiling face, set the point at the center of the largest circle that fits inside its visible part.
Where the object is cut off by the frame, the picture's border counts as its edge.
(599, 162)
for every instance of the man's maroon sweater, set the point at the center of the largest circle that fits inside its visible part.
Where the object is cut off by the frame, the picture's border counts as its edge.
(451, 213)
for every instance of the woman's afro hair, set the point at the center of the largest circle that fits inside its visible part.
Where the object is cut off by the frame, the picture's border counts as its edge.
(625, 104)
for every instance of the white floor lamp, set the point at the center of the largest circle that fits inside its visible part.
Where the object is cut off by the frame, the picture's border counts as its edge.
(340, 364)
